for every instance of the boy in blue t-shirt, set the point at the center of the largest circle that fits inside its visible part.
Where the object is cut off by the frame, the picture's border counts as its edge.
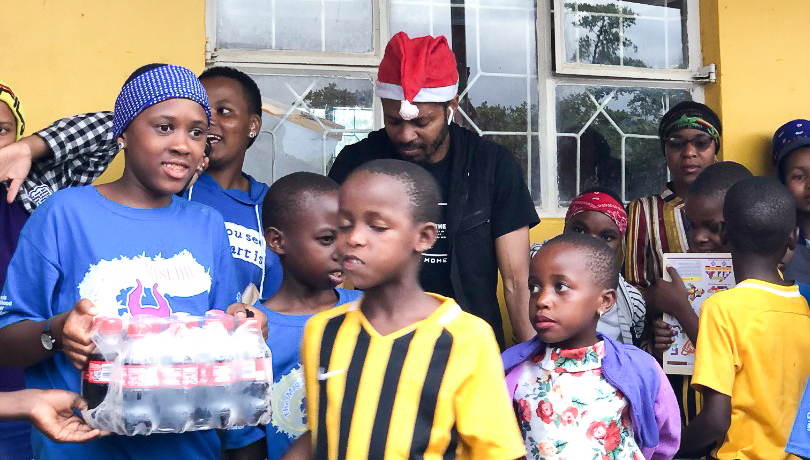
(799, 441)
(123, 248)
(300, 218)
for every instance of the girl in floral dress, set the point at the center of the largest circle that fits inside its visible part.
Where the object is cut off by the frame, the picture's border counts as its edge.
(579, 395)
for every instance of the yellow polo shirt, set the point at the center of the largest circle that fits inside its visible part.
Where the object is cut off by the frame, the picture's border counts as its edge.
(754, 345)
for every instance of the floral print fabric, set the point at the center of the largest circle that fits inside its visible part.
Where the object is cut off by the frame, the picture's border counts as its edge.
(568, 411)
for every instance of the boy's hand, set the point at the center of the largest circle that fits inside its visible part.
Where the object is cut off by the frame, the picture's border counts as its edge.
(76, 326)
(241, 310)
(51, 411)
(663, 335)
(669, 297)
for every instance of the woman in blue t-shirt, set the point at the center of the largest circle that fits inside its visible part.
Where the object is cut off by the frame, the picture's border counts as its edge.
(119, 249)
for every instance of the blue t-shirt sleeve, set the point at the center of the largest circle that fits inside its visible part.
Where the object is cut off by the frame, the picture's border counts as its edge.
(799, 442)
(224, 289)
(34, 275)
(243, 437)
(804, 290)
(348, 295)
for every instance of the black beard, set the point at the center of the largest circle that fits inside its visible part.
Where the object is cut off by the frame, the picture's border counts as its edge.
(430, 149)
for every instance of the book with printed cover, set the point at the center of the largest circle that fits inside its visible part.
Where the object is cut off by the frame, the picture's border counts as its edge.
(704, 275)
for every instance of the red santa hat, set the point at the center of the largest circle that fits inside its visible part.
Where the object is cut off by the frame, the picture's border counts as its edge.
(422, 69)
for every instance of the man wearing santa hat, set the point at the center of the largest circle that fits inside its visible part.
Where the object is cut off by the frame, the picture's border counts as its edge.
(486, 207)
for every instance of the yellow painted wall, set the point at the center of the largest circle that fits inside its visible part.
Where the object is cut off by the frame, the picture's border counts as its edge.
(64, 57)
(69, 56)
(764, 72)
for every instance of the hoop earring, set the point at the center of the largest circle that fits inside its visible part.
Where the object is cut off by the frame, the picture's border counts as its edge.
(252, 135)
(120, 145)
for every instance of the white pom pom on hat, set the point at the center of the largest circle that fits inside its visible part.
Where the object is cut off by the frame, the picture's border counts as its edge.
(422, 69)
(408, 111)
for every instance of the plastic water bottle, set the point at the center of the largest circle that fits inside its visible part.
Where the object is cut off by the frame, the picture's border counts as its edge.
(139, 379)
(255, 374)
(96, 377)
(179, 375)
(215, 406)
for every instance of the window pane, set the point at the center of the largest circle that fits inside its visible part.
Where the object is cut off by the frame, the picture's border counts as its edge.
(646, 169)
(303, 25)
(306, 121)
(642, 33)
(495, 45)
(519, 146)
(600, 127)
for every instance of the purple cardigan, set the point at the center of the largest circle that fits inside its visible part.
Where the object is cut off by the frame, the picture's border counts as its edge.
(653, 407)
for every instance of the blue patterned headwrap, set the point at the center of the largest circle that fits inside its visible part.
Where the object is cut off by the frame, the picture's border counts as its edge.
(153, 87)
(789, 137)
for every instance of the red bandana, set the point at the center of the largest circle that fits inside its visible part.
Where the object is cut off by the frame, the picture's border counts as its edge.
(599, 202)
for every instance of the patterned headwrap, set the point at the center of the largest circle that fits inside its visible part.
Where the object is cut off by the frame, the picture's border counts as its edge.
(153, 87)
(599, 202)
(786, 139)
(690, 115)
(13, 102)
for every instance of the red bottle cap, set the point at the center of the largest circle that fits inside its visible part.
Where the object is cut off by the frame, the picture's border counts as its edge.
(251, 324)
(226, 322)
(137, 330)
(110, 325)
(155, 327)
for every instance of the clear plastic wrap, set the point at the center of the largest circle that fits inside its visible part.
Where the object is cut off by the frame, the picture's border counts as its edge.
(182, 373)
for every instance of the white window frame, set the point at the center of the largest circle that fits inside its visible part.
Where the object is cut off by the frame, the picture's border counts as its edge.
(692, 73)
(550, 74)
(379, 9)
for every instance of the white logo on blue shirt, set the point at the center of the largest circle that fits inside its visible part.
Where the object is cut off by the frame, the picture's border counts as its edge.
(246, 244)
(147, 284)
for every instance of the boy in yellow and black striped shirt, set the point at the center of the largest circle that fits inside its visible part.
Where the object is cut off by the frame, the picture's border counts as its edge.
(401, 373)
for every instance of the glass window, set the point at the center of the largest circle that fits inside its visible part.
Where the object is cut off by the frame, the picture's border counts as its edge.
(640, 33)
(306, 121)
(343, 26)
(497, 76)
(573, 88)
(607, 137)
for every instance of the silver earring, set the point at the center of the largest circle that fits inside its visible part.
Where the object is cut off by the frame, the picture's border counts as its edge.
(120, 145)
(252, 134)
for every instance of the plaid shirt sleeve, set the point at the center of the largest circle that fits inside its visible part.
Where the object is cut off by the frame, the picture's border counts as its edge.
(81, 149)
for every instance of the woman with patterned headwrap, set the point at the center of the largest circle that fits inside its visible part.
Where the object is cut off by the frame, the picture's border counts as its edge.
(12, 215)
(15, 436)
(690, 139)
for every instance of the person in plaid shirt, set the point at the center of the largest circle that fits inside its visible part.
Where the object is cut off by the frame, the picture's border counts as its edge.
(71, 152)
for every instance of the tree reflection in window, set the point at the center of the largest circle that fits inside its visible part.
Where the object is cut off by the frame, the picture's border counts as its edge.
(607, 137)
(642, 33)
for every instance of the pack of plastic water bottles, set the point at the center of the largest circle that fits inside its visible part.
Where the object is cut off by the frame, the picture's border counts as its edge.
(182, 373)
